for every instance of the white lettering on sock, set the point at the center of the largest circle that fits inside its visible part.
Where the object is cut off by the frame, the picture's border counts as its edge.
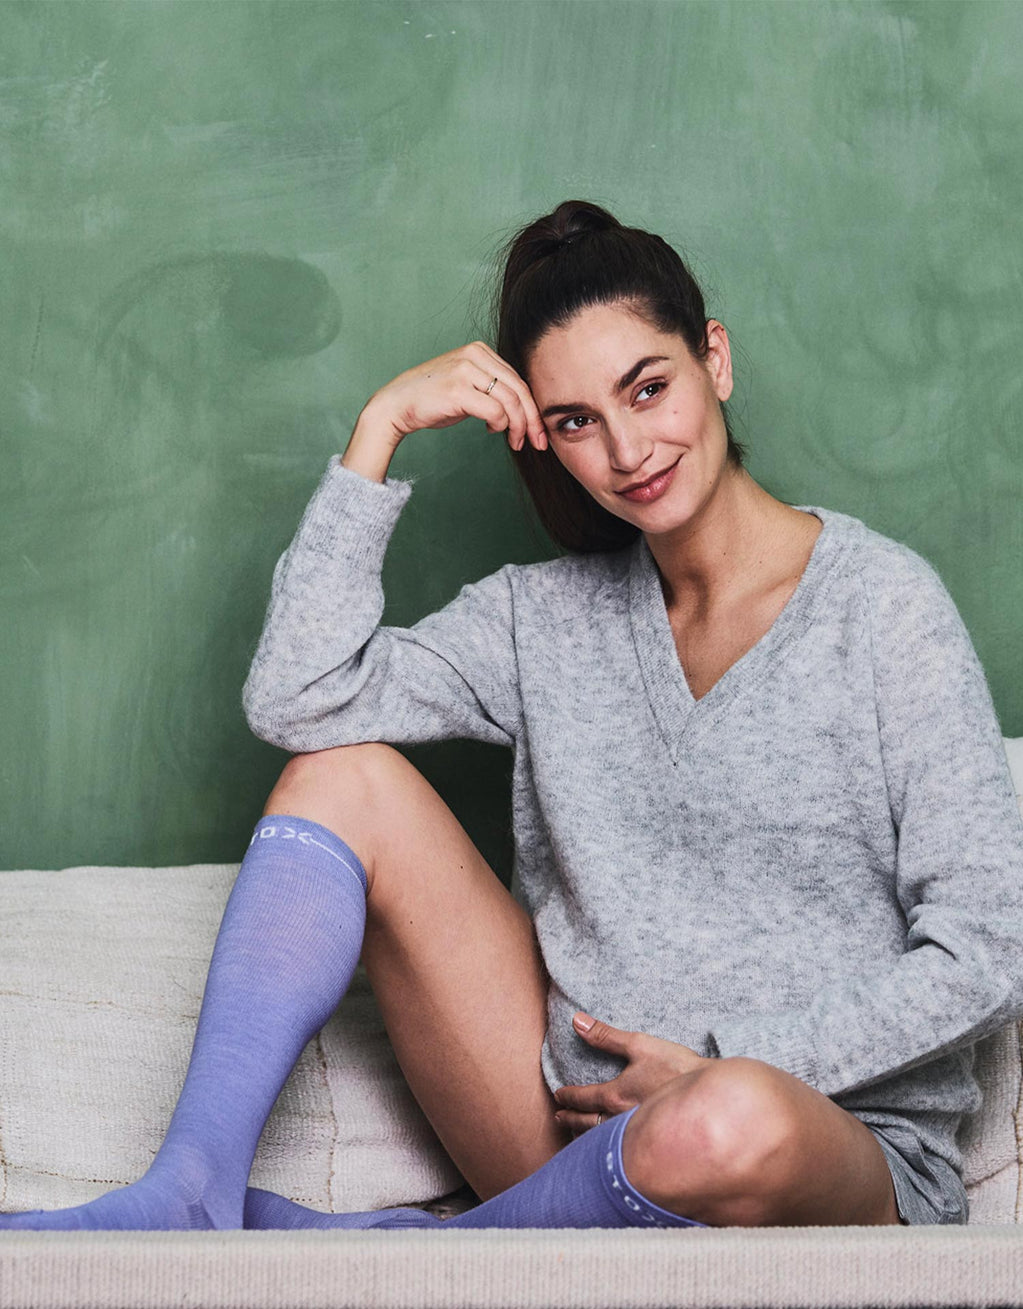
(305, 838)
(630, 1203)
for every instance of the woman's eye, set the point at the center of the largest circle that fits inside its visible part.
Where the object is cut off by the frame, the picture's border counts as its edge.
(563, 426)
(568, 425)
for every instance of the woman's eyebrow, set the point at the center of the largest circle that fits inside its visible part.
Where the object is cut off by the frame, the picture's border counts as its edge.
(625, 380)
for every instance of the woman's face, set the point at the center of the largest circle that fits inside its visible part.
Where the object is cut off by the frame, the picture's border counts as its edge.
(625, 404)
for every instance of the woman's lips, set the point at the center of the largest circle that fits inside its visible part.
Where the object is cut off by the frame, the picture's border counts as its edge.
(652, 490)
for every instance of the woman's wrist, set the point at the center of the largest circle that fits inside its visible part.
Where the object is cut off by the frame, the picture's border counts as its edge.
(372, 444)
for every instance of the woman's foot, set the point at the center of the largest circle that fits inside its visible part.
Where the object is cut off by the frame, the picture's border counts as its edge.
(164, 1199)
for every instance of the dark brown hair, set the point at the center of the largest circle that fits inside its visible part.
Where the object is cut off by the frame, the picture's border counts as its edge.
(577, 256)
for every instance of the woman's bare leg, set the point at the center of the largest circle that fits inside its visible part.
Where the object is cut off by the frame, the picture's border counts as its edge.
(451, 956)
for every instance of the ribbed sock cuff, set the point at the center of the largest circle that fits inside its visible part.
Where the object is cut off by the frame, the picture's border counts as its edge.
(285, 827)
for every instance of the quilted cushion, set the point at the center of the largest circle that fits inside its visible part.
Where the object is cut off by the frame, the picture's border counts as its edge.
(101, 982)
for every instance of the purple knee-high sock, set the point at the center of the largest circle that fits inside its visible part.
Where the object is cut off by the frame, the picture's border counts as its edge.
(288, 944)
(583, 1185)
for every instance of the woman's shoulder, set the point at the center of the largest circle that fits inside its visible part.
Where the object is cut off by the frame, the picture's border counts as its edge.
(883, 561)
(903, 595)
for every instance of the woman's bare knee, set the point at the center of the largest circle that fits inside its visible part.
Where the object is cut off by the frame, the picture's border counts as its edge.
(718, 1140)
(742, 1143)
(342, 788)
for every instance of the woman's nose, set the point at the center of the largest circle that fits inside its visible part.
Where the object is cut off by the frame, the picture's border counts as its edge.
(627, 447)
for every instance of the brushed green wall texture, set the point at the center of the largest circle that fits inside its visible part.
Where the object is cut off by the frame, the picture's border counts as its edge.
(224, 225)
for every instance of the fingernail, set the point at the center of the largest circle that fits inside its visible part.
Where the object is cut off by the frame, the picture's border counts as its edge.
(584, 1021)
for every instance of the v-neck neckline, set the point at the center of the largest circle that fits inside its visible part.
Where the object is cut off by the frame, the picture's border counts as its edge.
(674, 706)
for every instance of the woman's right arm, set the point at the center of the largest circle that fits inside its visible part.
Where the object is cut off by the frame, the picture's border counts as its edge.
(325, 673)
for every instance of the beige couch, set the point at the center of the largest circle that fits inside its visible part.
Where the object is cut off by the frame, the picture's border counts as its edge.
(101, 978)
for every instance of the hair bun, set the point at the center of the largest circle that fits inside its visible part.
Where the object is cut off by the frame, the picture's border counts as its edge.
(575, 218)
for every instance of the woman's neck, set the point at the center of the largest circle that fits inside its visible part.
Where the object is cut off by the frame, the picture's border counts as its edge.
(724, 551)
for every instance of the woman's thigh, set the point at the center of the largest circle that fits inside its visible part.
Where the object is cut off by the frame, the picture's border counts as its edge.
(450, 954)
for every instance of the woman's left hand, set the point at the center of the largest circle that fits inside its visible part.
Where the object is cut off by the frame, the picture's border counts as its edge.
(652, 1062)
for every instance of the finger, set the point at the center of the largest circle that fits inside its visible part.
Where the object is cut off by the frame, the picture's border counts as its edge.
(585, 1099)
(574, 1097)
(499, 399)
(581, 1122)
(490, 408)
(535, 427)
(603, 1035)
(505, 394)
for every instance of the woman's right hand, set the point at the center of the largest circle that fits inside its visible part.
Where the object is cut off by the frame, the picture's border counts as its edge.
(439, 393)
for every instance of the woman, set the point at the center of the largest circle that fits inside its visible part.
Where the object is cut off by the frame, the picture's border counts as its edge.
(765, 831)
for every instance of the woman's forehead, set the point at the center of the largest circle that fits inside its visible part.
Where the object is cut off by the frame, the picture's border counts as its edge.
(600, 345)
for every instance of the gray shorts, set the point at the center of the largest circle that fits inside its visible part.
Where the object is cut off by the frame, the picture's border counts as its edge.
(927, 1189)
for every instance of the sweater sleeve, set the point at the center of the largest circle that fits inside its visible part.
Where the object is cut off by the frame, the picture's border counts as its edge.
(959, 864)
(325, 673)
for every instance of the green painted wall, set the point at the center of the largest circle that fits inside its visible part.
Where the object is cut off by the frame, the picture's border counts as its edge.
(223, 225)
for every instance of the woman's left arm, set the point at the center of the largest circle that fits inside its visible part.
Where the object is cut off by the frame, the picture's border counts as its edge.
(959, 866)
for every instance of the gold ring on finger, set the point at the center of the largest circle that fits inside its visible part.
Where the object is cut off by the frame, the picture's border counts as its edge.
(490, 387)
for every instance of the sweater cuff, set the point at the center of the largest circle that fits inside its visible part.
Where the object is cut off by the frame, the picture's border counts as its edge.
(769, 1038)
(351, 516)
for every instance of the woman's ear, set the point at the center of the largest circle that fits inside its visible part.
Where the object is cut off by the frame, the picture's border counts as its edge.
(718, 360)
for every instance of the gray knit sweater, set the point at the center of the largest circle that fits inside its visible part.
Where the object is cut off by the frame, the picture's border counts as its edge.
(819, 863)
